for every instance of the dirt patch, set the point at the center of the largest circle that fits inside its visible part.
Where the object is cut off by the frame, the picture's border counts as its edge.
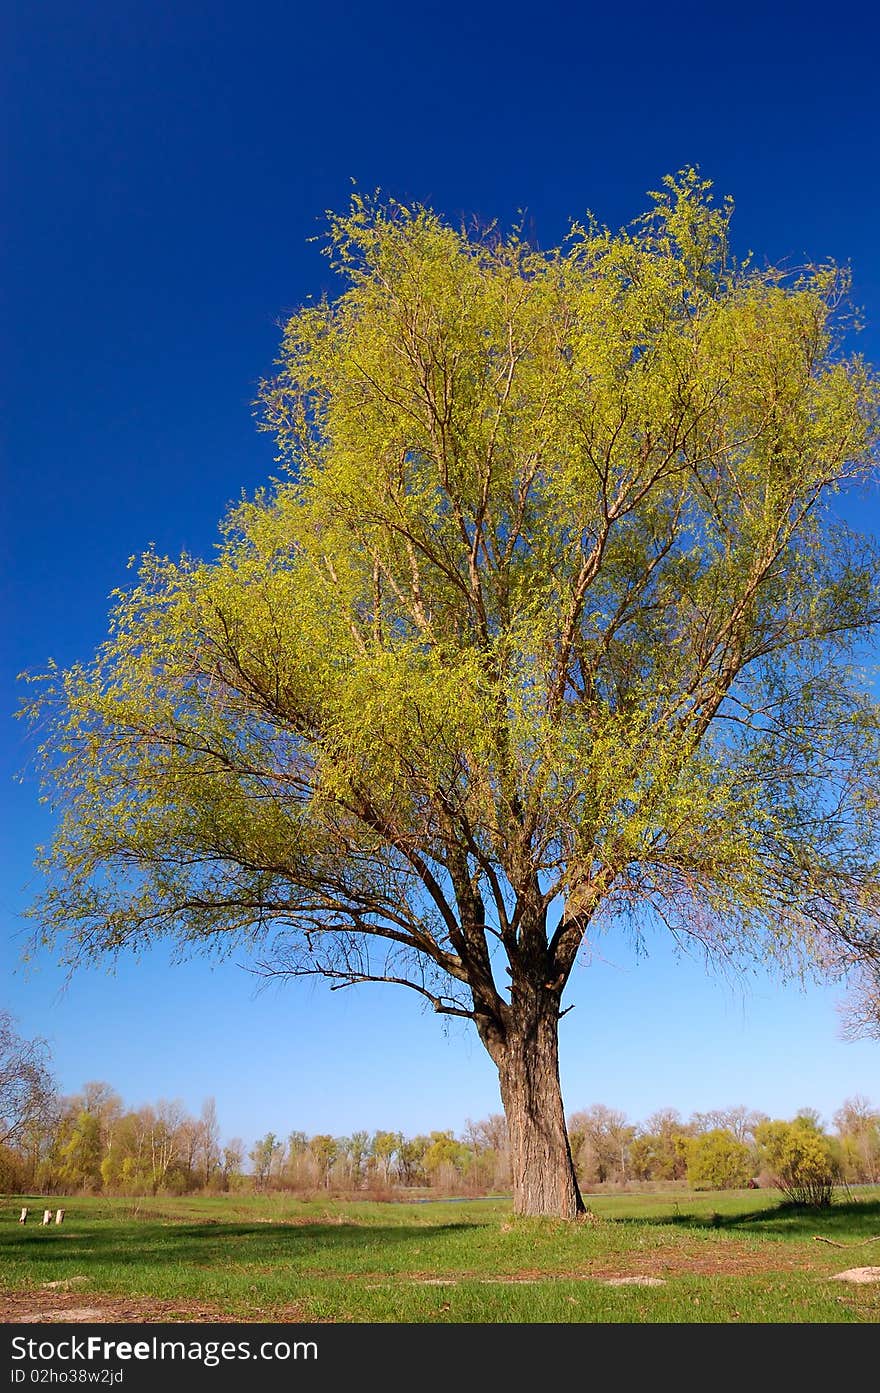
(34, 1307)
(731, 1260)
(635, 1282)
(628, 1269)
(860, 1275)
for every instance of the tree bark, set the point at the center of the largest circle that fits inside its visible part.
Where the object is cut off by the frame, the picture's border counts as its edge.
(544, 1181)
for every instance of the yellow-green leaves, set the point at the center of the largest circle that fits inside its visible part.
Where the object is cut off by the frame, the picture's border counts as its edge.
(548, 611)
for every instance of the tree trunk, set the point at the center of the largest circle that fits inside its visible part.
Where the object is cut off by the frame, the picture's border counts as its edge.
(544, 1181)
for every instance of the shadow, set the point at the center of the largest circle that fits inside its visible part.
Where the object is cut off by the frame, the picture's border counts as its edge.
(155, 1244)
(853, 1217)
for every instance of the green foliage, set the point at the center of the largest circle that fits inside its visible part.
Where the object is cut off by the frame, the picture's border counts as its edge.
(383, 1148)
(716, 1160)
(265, 1155)
(549, 592)
(81, 1153)
(411, 1158)
(548, 621)
(800, 1159)
(12, 1171)
(444, 1153)
(324, 1150)
(659, 1150)
(858, 1141)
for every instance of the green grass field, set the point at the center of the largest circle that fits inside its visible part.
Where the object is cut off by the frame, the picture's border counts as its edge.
(722, 1257)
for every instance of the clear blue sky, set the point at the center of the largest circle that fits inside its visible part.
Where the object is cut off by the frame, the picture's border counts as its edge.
(163, 169)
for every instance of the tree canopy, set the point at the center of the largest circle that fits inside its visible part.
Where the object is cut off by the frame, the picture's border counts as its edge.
(549, 618)
(26, 1085)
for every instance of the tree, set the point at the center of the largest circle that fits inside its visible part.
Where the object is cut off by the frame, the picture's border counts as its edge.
(800, 1159)
(739, 1120)
(490, 1148)
(410, 1159)
(383, 1148)
(603, 1138)
(489, 1134)
(233, 1161)
(858, 1128)
(324, 1150)
(358, 1152)
(26, 1087)
(444, 1159)
(101, 1099)
(208, 1142)
(861, 1011)
(81, 1152)
(548, 622)
(124, 1163)
(265, 1157)
(659, 1151)
(717, 1160)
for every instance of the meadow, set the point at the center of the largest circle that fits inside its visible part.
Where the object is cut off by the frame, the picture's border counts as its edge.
(721, 1257)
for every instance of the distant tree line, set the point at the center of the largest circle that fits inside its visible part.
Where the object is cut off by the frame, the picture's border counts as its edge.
(729, 1148)
(91, 1142)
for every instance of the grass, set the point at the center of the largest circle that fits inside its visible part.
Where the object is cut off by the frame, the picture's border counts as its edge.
(724, 1257)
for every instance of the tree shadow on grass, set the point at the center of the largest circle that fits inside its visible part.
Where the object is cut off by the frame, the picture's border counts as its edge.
(154, 1244)
(854, 1218)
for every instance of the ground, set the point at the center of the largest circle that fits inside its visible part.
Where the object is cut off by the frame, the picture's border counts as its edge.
(663, 1258)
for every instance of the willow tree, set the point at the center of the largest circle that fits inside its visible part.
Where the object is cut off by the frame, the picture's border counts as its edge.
(549, 620)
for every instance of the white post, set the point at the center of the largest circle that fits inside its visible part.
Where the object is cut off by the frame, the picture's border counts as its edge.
(47, 1216)
(59, 1217)
(22, 1218)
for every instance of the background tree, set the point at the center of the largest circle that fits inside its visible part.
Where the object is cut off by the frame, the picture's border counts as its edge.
(799, 1158)
(358, 1152)
(89, 1120)
(550, 623)
(298, 1170)
(383, 1148)
(80, 1152)
(232, 1165)
(861, 1009)
(601, 1138)
(323, 1150)
(26, 1087)
(858, 1139)
(717, 1160)
(739, 1120)
(208, 1142)
(36, 1146)
(445, 1159)
(659, 1150)
(410, 1159)
(489, 1142)
(124, 1165)
(265, 1157)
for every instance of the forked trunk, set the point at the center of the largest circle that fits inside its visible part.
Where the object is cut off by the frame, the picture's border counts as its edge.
(544, 1180)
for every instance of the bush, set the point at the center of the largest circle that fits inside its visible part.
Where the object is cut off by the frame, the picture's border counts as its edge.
(717, 1160)
(799, 1158)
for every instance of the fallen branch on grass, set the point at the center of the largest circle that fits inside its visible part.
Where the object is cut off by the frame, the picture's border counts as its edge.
(817, 1238)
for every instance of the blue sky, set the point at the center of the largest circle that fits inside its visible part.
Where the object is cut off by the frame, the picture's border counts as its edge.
(163, 169)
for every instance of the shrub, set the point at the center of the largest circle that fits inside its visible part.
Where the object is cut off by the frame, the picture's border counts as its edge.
(717, 1160)
(799, 1158)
